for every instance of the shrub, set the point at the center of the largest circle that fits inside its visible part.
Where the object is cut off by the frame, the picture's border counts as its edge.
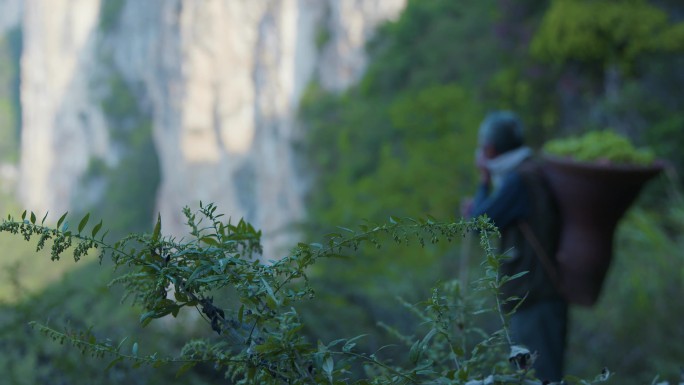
(258, 339)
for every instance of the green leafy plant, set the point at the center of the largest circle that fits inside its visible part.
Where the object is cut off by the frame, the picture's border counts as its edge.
(605, 32)
(600, 146)
(259, 339)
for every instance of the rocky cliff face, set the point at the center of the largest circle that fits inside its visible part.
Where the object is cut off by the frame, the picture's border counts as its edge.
(222, 79)
(62, 127)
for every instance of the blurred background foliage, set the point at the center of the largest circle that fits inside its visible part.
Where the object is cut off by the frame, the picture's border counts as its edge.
(10, 110)
(129, 184)
(402, 143)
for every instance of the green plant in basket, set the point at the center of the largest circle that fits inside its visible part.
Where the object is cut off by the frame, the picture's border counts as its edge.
(602, 147)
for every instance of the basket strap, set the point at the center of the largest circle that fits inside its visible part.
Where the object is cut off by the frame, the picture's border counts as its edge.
(541, 254)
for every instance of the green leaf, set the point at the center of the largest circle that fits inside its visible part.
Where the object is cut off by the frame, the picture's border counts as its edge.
(210, 241)
(157, 229)
(431, 220)
(180, 296)
(118, 347)
(33, 218)
(241, 313)
(328, 367)
(199, 271)
(251, 372)
(428, 337)
(518, 275)
(147, 317)
(493, 262)
(113, 362)
(134, 349)
(351, 343)
(463, 374)
(61, 219)
(267, 347)
(23, 215)
(270, 292)
(336, 342)
(187, 366)
(83, 223)
(425, 372)
(414, 353)
(96, 229)
(42, 222)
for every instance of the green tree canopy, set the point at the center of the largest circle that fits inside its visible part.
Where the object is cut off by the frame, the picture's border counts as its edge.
(605, 32)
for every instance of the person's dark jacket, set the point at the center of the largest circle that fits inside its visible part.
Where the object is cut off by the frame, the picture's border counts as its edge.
(523, 199)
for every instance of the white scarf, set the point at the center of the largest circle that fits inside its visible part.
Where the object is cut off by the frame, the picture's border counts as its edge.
(505, 163)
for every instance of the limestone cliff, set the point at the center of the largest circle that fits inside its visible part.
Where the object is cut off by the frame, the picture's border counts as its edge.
(62, 127)
(222, 79)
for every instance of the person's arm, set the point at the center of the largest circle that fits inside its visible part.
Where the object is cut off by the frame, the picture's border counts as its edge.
(505, 205)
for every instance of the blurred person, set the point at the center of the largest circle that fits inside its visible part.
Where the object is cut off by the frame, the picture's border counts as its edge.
(513, 193)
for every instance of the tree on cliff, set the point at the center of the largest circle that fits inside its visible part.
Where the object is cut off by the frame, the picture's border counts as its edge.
(606, 38)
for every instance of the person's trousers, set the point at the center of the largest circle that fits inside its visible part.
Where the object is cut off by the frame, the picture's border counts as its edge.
(542, 328)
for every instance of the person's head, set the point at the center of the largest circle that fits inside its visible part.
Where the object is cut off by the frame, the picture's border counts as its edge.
(500, 132)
